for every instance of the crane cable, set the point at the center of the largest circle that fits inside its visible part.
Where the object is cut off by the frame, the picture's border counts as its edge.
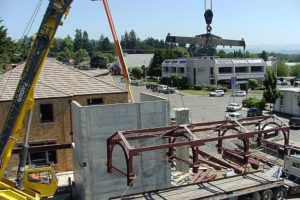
(31, 20)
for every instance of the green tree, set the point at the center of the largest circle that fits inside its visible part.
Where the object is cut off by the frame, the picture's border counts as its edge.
(99, 60)
(59, 45)
(86, 42)
(65, 55)
(264, 55)
(250, 55)
(106, 45)
(125, 40)
(158, 58)
(22, 50)
(282, 69)
(295, 71)
(137, 72)
(7, 46)
(56, 46)
(67, 43)
(80, 56)
(77, 40)
(222, 54)
(180, 52)
(133, 40)
(271, 93)
(111, 58)
(253, 83)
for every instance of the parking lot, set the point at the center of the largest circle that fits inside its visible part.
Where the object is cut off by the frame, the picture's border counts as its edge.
(202, 107)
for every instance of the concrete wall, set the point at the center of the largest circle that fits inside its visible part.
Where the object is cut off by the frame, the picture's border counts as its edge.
(92, 125)
(289, 103)
(202, 69)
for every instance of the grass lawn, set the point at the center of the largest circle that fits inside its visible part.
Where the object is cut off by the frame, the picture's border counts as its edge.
(195, 92)
(256, 92)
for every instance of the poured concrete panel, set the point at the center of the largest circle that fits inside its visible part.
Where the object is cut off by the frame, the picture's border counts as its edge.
(92, 125)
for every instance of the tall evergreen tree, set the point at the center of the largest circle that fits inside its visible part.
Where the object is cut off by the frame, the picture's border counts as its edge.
(77, 40)
(133, 40)
(7, 47)
(264, 55)
(86, 42)
(125, 41)
(271, 93)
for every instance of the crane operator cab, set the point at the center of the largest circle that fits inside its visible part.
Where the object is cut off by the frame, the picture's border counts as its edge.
(41, 179)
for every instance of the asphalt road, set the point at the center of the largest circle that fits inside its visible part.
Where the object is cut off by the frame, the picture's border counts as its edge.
(202, 108)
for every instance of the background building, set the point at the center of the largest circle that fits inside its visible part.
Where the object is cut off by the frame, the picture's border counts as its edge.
(58, 85)
(288, 101)
(213, 70)
(136, 60)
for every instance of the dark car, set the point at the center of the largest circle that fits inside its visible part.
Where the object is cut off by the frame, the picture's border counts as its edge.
(169, 91)
(294, 122)
(254, 111)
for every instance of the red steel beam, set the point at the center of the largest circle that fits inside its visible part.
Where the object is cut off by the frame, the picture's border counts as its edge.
(202, 176)
(258, 158)
(219, 161)
(239, 158)
(200, 142)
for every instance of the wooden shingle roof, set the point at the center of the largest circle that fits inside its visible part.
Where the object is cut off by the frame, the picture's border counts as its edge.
(58, 80)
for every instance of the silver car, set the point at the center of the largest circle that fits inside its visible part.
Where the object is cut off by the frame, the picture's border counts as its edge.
(234, 116)
(232, 107)
(240, 93)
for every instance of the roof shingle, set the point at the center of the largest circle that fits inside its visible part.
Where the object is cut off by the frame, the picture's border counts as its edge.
(58, 80)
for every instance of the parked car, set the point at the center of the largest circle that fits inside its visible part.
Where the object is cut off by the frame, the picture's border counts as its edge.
(161, 88)
(154, 88)
(232, 107)
(294, 122)
(284, 82)
(169, 90)
(254, 111)
(172, 120)
(217, 93)
(240, 93)
(135, 83)
(234, 116)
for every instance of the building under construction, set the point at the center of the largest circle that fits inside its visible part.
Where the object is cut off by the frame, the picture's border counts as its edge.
(123, 149)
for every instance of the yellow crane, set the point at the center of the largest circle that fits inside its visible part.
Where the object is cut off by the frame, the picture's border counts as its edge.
(35, 183)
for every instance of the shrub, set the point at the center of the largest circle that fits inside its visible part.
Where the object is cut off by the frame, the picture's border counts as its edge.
(254, 102)
(210, 87)
(198, 87)
(99, 61)
(137, 72)
(225, 89)
(253, 83)
(260, 88)
(183, 83)
(164, 80)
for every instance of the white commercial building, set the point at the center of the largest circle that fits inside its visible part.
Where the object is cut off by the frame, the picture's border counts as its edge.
(288, 101)
(214, 70)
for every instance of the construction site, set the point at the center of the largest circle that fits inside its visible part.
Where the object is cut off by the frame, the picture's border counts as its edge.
(108, 145)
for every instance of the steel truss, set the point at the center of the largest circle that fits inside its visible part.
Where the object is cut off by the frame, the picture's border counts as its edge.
(188, 131)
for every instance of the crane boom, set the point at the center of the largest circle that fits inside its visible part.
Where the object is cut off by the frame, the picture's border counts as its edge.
(118, 50)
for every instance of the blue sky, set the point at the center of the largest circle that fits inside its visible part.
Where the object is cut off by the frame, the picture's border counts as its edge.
(258, 21)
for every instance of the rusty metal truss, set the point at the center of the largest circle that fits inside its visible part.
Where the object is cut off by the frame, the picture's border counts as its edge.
(194, 139)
